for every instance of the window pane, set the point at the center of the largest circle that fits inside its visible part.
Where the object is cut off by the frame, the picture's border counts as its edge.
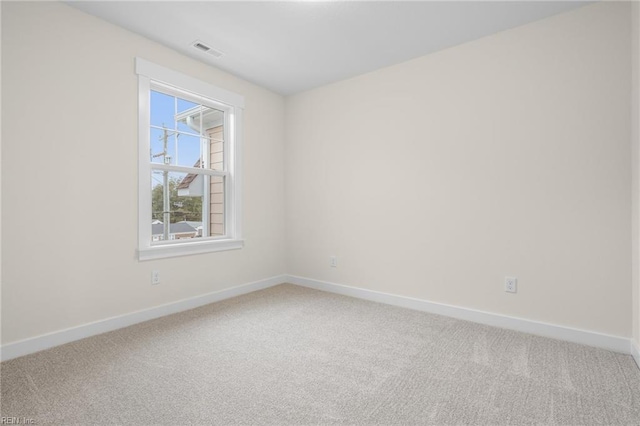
(216, 206)
(162, 109)
(216, 147)
(197, 119)
(185, 115)
(163, 148)
(176, 200)
(189, 150)
(211, 118)
(184, 105)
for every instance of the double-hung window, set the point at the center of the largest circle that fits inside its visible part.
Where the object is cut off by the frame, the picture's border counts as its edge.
(189, 164)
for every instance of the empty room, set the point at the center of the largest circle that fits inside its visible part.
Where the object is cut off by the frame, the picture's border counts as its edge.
(307, 212)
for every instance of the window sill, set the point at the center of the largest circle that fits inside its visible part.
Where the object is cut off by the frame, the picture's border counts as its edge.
(174, 250)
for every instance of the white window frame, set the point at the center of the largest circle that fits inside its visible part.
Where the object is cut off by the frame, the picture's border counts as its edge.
(150, 75)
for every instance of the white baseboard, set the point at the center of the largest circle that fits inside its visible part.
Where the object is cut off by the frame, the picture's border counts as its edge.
(49, 340)
(590, 338)
(46, 341)
(635, 352)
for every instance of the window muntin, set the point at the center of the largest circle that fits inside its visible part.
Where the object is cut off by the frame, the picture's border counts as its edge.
(191, 165)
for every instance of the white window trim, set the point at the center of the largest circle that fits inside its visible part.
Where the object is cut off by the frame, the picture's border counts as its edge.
(148, 72)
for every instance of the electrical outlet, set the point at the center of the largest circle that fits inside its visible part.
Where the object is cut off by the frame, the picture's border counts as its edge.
(511, 284)
(155, 277)
(333, 261)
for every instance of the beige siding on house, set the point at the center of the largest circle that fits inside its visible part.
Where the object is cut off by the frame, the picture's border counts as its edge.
(216, 161)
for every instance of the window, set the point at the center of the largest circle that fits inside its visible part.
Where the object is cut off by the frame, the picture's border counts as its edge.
(189, 164)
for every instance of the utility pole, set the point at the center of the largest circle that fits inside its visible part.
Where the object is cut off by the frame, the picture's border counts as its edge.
(166, 205)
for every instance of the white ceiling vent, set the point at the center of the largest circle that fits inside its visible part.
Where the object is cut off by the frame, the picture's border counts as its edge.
(203, 47)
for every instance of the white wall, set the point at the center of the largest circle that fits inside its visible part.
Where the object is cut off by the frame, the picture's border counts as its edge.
(69, 176)
(635, 159)
(0, 178)
(508, 155)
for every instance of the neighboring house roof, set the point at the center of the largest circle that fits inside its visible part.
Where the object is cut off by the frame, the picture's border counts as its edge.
(174, 228)
(186, 181)
(194, 224)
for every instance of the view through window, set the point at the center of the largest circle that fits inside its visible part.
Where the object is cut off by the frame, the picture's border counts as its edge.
(187, 155)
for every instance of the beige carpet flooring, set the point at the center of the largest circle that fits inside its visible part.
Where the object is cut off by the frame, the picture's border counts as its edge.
(291, 355)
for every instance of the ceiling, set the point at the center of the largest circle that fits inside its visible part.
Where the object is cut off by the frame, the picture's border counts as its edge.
(290, 47)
